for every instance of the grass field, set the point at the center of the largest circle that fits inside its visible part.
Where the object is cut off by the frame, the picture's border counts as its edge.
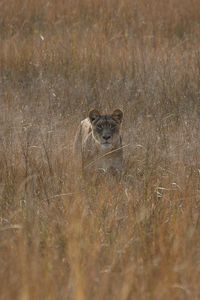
(59, 59)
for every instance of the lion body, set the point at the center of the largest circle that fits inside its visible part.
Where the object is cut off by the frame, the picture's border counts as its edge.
(98, 145)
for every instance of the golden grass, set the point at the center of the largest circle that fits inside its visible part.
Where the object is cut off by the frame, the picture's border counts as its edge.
(138, 240)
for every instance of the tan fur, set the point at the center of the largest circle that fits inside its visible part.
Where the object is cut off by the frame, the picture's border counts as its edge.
(97, 145)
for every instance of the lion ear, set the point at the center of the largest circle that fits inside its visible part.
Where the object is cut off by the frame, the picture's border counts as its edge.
(93, 115)
(117, 115)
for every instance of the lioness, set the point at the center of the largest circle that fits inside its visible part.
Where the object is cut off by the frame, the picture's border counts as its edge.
(98, 143)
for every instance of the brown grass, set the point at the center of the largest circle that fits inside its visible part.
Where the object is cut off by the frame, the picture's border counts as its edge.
(58, 59)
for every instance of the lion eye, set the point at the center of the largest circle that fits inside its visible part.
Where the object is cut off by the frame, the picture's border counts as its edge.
(99, 126)
(112, 126)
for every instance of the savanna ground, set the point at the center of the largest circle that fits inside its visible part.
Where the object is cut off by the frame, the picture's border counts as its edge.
(58, 59)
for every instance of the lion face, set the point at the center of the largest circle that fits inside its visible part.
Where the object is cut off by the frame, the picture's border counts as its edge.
(105, 128)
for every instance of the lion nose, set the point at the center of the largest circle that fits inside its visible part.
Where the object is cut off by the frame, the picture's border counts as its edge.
(106, 137)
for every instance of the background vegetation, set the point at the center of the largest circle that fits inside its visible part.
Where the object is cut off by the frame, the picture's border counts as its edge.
(58, 59)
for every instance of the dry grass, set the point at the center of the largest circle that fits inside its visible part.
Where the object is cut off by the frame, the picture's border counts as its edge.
(141, 239)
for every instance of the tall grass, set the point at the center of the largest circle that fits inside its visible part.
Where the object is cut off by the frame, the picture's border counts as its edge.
(138, 240)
